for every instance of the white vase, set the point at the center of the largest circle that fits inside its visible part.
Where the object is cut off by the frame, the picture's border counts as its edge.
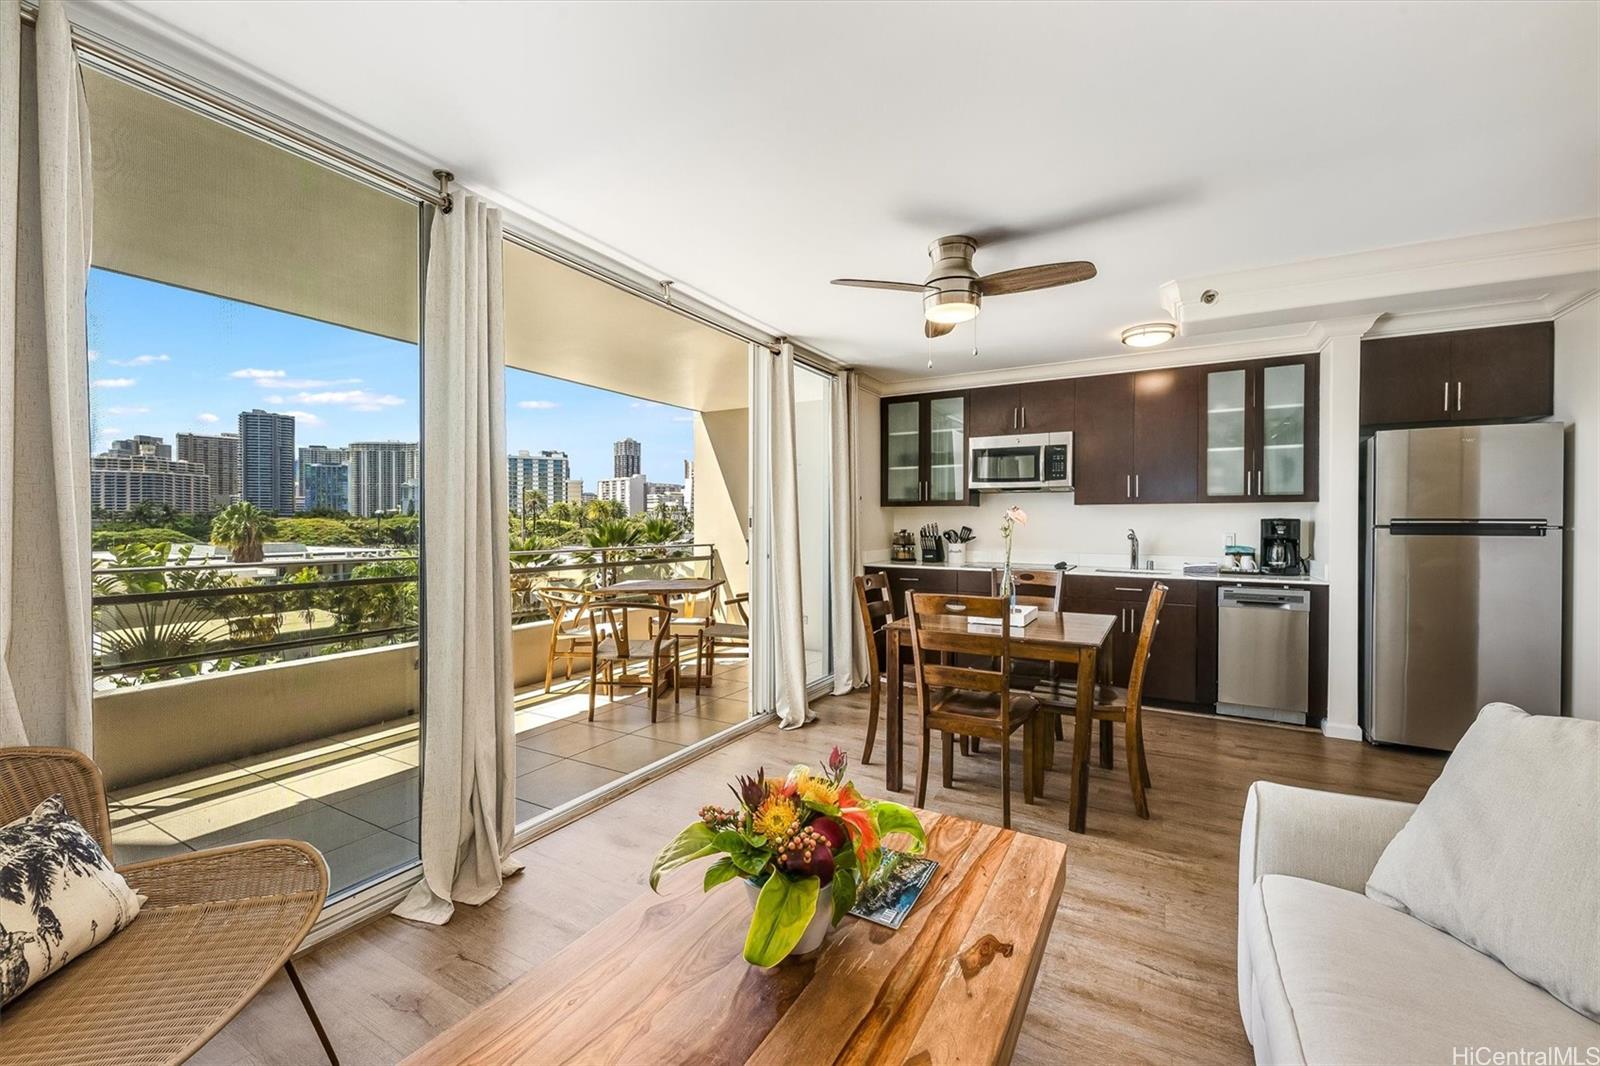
(816, 932)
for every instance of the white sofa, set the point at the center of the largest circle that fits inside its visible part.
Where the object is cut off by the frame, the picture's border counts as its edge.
(1327, 975)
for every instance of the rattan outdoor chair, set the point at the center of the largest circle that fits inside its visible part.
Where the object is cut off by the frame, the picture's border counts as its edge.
(215, 927)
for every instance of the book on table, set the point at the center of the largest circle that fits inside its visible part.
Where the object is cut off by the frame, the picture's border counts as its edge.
(1021, 614)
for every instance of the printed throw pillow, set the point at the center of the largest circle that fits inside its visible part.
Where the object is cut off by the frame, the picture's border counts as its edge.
(59, 896)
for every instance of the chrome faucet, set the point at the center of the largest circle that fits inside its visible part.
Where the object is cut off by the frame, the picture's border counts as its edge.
(1133, 550)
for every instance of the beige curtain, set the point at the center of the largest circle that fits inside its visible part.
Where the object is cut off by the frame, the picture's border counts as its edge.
(849, 661)
(469, 807)
(789, 615)
(45, 209)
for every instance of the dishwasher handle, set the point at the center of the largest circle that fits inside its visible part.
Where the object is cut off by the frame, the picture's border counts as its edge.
(1262, 598)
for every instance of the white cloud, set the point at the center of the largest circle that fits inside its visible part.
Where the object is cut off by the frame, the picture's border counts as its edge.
(537, 405)
(142, 360)
(127, 410)
(305, 383)
(113, 383)
(305, 416)
(256, 375)
(354, 399)
(276, 399)
(207, 417)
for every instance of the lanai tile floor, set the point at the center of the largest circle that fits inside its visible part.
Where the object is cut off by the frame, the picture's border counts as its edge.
(355, 796)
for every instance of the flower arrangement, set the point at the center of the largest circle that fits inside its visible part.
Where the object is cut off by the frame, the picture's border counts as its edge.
(1013, 517)
(793, 838)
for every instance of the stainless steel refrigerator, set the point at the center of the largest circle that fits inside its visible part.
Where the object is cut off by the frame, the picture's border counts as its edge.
(1463, 575)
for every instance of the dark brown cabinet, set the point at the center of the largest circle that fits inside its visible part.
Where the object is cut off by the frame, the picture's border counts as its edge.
(924, 450)
(1173, 671)
(1037, 407)
(1258, 430)
(1135, 438)
(1500, 374)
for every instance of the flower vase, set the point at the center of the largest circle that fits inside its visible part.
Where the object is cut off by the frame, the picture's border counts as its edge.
(816, 931)
(1008, 586)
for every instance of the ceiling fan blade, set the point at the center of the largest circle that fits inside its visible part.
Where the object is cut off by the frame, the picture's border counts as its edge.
(862, 283)
(1045, 276)
(936, 329)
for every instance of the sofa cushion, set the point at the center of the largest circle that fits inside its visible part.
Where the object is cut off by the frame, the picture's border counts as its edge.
(1502, 854)
(1340, 978)
(59, 896)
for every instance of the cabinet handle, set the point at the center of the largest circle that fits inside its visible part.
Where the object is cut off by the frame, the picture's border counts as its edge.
(1013, 418)
(1119, 588)
(1458, 396)
(1127, 486)
(1025, 411)
(910, 580)
(1447, 397)
(1136, 486)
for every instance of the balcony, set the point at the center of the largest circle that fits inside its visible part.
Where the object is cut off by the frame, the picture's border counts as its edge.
(235, 702)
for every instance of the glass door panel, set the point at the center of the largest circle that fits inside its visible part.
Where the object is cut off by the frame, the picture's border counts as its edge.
(947, 448)
(903, 464)
(813, 424)
(1225, 433)
(1283, 436)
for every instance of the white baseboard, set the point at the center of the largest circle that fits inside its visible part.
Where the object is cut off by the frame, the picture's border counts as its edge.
(1340, 730)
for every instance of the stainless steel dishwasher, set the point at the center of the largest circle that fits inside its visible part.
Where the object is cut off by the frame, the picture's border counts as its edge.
(1264, 653)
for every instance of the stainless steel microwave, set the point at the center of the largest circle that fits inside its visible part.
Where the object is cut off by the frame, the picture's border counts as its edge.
(1020, 461)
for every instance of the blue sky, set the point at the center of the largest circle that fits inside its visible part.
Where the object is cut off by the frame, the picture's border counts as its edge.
(166, 360)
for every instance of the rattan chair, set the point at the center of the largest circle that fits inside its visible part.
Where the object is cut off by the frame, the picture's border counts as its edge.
(215, 927)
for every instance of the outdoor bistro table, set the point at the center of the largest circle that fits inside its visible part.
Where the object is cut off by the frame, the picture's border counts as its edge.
(663, 589)
(1061, 637)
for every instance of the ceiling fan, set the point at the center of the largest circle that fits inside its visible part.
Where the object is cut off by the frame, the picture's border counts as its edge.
(953, 290)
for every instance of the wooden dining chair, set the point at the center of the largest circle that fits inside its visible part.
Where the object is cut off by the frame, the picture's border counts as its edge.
(1129, 711)
(967, 700)
(1046, 590)
(732, 629)
(876, 604)
(610, 619)
(568, 609)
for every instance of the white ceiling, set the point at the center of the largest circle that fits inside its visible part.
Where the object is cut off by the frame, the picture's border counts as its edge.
(754, 151)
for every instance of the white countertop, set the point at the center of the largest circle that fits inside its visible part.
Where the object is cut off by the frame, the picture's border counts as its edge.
(1102, 570)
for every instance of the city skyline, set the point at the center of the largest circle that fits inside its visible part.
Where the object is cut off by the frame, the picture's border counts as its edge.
(166, 360)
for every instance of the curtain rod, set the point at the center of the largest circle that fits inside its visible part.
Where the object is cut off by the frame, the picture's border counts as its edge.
(113, 58)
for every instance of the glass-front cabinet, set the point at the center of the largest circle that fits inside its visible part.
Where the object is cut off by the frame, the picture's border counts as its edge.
(925, 449)
(1260, 432)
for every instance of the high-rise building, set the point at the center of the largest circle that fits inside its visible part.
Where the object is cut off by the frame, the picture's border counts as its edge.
(266, 460)
(136, 445)
(119, 481)
(319, 455)
(627, 458)
(325, 486)
(384, 476)
(574, 490)
(628, 491)
(546, 472)
(219, 454)
(659, 496)
(688, 485)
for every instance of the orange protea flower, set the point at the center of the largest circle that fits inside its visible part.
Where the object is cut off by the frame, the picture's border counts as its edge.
(853, 811)
(776, 818)
(817, 790)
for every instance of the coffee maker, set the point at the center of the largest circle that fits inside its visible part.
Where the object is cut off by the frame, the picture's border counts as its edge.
(1280, 546)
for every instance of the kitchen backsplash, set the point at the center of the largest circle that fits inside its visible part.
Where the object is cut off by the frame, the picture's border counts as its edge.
(1057, 528)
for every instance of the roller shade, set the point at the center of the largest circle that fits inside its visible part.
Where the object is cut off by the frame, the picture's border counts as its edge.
(183, 199)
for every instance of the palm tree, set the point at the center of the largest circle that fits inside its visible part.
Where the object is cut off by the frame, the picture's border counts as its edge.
(533, 502)
(242, 527)
(597, 511)
(659, 529)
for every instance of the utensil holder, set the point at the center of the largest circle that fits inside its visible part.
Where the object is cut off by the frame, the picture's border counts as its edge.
(955, 555)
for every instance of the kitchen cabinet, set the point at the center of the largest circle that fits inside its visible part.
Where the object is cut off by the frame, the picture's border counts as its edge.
(1499, 374)
(1135, 437)
(924, 450)
(947, 581)
(1172, 674)
(1259, 430)
(1037, 407)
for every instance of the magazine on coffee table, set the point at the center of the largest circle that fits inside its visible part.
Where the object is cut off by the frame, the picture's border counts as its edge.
(894, 888)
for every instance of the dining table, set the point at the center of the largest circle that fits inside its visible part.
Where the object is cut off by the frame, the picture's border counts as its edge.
(664, 590)
(1052, 637)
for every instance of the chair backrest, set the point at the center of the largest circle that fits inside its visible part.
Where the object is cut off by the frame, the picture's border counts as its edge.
(1147, 636)
(609, 616)
(942, 623)
(876, 605)
(564, 605)
(29, 776)
(1043, 589)
(732, 605)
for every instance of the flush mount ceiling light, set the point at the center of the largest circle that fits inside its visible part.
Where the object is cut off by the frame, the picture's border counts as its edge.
(1149, 334)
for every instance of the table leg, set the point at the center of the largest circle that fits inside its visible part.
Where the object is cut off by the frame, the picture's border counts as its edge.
(895, 707)
(1082, 732)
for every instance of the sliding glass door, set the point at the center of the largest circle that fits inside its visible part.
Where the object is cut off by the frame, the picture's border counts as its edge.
(813, 461)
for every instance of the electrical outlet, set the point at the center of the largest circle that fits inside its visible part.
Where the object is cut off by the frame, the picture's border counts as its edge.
(1229, 540)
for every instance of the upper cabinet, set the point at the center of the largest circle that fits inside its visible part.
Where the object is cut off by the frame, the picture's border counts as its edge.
(1500, 374)
(1135, 438)
(1259, 431)
(1037, 407)
(925, 450)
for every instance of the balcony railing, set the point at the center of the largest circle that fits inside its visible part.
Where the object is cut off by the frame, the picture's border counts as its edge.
(181, 619)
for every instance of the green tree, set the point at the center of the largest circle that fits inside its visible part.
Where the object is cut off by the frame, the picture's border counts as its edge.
(242, 528)
(597, 511)
(659, 529)
(533, 503)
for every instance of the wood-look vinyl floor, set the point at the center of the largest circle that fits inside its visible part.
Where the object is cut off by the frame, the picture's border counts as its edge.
(1140, 965)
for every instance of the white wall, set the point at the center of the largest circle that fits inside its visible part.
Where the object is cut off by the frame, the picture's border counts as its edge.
(1339, 523)
(873, 522)
(722, 489)
(1578, 404)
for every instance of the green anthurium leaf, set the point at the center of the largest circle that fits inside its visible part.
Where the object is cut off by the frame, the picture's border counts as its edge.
(893, 818)
(718, 872)
(844, 893)
(746, 856)
(783, 910)
(691, 844)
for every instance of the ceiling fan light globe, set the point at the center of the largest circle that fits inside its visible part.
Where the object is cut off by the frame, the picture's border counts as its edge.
(1149, 334)
(951, 306)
